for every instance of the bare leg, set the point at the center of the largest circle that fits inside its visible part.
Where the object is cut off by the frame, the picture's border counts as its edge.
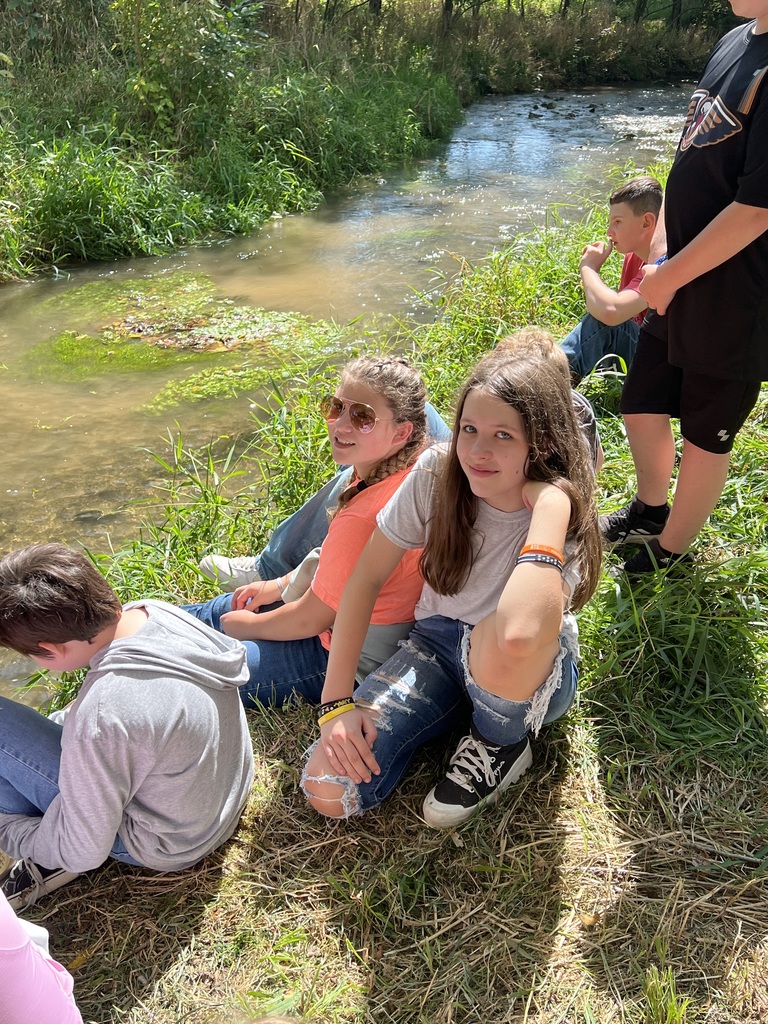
(700, 483)
(512, 676)
(653, 451)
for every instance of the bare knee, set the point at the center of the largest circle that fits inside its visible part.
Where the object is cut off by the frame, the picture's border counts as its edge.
(327, 798)
(331, 794)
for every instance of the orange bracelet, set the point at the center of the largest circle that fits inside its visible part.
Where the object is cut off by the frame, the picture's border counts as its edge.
(542, 549)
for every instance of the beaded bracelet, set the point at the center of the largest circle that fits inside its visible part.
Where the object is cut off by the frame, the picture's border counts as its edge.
(336, 711)
(541, 549)
(331, 705)
(542, 559)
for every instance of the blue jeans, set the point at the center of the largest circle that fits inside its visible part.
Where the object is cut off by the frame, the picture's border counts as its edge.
(425, 691)
(306, 529)
(278, 669)
(591, 340)
(30, 754)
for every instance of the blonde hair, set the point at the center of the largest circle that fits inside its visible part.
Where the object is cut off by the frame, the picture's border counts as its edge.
(400, 385)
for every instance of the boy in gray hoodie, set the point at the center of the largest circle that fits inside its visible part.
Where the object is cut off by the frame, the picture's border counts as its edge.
(151, 763)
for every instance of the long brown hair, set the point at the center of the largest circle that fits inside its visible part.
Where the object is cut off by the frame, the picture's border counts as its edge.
(400, 385)
(538, 390)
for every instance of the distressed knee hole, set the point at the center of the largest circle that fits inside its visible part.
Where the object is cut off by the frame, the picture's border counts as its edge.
(332, 795)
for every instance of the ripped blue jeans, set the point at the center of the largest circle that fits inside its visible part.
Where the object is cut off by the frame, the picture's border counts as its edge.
(425, 691)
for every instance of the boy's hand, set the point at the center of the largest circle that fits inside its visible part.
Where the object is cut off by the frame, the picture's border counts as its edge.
(347, 741)
(595, 255)
(654, 291)
(252, 596)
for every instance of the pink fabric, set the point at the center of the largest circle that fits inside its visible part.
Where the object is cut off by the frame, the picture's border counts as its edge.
(33, 988)
(631, 276)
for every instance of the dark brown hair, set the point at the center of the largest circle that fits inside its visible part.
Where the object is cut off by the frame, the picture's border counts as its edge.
(400, 385)
(642, 195)
(52, 594)
(538, 390)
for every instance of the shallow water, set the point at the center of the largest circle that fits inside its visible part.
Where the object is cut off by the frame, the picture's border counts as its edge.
(74, 455)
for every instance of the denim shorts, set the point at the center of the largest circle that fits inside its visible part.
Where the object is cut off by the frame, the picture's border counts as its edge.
(425, 691)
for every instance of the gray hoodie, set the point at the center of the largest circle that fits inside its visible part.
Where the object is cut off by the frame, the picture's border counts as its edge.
(154, 748)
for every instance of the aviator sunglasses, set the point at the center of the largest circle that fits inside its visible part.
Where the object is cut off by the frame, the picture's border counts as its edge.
(361, 416)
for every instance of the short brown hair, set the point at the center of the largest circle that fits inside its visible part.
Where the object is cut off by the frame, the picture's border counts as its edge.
(642, 195)
(52, 594)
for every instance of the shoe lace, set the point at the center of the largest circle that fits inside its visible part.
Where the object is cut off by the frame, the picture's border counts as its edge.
(472, 758)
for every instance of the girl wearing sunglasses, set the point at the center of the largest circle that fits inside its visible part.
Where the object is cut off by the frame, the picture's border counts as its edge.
(506, 519)
(377, 424)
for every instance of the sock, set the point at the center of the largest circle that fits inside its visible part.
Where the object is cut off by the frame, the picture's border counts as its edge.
(656, 513)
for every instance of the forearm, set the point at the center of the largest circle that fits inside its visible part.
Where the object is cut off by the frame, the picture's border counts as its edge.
(607, 305)
(531, 605)
(352, 621)
(304, 618)
(731, 231)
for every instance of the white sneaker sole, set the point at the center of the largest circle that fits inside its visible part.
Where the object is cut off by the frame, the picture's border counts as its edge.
(439, 815)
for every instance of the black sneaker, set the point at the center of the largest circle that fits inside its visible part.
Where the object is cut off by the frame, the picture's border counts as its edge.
(26, 882)
(628, 525)
(478, 775)
(651, 558)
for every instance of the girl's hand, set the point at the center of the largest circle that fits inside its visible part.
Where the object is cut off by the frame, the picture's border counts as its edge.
(253, 595)
(347, 741)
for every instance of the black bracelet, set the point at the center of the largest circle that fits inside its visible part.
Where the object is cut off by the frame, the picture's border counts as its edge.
(543, 559)
(331, 705)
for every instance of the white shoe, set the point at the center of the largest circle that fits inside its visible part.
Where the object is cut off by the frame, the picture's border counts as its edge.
(230, 573)
(26, 882)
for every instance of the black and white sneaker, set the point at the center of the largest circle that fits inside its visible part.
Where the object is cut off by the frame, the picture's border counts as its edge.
(629, 525)
(26, 882)
(478, 775)
(653, 558)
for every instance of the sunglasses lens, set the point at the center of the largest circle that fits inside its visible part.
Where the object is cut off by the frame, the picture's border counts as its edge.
(362, 417)
(331, 408)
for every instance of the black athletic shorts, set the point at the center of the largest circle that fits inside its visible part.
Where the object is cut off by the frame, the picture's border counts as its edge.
(711, 411)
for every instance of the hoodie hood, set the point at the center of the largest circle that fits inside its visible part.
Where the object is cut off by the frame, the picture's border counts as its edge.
(176, 645)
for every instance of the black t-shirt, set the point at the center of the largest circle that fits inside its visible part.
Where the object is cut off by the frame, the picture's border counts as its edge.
(718, 323)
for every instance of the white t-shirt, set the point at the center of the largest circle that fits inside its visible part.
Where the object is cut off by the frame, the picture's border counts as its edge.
(499, 536)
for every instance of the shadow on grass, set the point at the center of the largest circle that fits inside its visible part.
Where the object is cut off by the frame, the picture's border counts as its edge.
(376, 919)
(679, 704)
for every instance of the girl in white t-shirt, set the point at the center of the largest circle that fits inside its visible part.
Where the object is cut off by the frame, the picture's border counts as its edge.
(507, 520)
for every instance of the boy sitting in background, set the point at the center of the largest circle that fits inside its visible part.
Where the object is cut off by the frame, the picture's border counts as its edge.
(612, 323)
(153, 762)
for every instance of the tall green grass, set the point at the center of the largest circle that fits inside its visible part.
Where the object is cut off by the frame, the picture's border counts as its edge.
(135, 127)
(622, 881)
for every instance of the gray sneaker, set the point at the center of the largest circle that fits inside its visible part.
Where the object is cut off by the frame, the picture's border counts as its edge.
(230, 573)
(628, 525)
(26, 882)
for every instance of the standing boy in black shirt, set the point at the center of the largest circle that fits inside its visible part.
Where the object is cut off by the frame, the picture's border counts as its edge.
(702, 355)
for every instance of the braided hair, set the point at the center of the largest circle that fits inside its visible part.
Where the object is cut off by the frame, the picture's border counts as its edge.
(400, 385)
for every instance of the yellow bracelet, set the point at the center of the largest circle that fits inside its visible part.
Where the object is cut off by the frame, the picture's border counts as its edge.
(332, 714)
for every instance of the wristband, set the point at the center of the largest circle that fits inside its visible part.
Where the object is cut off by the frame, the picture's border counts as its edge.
(331, 705)
(542, 560)
(541, 549)
(280, 585)
(333, 714)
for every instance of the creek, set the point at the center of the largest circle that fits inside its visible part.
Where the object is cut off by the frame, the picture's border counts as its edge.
(75, 453)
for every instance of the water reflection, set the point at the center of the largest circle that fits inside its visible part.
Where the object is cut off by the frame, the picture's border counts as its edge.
(73, 453)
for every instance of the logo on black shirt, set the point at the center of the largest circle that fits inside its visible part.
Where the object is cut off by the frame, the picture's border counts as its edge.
(708, 122)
